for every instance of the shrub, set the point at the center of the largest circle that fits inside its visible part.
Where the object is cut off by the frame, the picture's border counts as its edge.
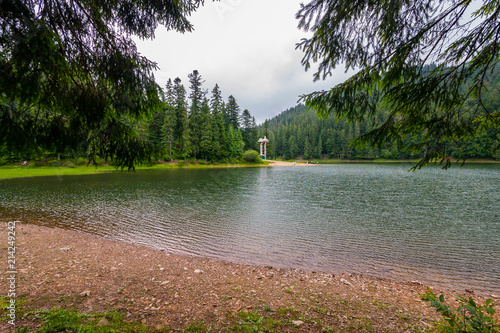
(468, 317)
(251, 156)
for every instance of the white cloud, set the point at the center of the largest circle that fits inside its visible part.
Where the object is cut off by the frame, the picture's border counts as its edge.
(247, 47)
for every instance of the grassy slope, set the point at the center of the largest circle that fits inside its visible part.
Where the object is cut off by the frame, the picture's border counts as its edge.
(17, 171)
(21, 171)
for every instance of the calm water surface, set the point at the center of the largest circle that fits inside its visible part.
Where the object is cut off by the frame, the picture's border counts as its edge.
(438, 227)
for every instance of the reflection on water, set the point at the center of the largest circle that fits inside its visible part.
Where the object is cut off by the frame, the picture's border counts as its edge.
(439, 227)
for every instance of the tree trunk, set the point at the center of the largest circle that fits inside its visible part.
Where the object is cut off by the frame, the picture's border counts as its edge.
(170, 151)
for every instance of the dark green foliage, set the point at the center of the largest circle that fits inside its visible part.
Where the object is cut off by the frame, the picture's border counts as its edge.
(169, 121)
(297, 133)
(249, 130)
(208, 135)
(71, 71)
(195, 117)
(232, 112)
(251, 156)
(389, 44)
(176, 130)
(468, 317)
(201, 128)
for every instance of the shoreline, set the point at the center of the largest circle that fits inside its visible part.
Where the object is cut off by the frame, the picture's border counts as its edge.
(67, 269)
(17, 171)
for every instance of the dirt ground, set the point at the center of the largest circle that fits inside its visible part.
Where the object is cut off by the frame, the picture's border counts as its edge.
(67, 269)
(289, 164)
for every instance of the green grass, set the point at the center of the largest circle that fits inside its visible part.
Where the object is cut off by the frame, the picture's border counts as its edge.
(17, 171)
(60, 320)
(7, 172)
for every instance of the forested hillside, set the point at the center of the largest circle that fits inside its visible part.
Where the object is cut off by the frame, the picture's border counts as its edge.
(297, 133)
(196, 125)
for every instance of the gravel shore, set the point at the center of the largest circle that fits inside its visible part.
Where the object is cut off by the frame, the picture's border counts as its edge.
(66, 269)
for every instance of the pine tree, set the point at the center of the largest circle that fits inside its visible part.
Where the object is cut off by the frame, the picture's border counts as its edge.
(195, 122)
(74, 71)
(232, 112)
(390, 45)
(168, 127)
(168, 131)
(181, 117)
(207, 132)
(220, 135)
(293, 147)
(247, 129)
(253, 136)
(235, 142)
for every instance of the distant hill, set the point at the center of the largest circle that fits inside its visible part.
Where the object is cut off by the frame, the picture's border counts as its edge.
(297, 133)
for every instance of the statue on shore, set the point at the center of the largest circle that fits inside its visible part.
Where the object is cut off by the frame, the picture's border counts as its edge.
(263, 141)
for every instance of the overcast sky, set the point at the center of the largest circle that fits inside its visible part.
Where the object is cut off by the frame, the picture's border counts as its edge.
(247, 47)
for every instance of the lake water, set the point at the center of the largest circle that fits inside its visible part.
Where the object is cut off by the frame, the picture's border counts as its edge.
(438, 227)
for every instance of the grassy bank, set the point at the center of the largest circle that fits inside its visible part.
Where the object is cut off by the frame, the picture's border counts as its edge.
(19, 171)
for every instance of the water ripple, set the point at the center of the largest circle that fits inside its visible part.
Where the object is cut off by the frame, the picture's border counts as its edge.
(440, 227)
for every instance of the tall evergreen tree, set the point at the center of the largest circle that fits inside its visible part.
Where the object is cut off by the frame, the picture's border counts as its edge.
(217, 107)
(75, 73)
(232, 112)
(207, 132)
(181, 117)
(169, 123)
(390, 43)
(248, 129)
(195, 122)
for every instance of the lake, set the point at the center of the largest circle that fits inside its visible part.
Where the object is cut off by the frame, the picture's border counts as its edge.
(435, 226)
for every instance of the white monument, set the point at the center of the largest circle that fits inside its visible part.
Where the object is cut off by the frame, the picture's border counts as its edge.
(263, 141)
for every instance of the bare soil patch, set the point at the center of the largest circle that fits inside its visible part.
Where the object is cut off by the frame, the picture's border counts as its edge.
(288, 164)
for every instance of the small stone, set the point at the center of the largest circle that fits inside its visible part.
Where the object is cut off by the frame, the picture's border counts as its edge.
(85, 293)
(198, 271)
(103, 322)
(298, 323)
(65, 249)
(344, 281)
(164, 283)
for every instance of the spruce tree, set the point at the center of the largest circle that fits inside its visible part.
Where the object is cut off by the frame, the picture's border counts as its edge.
(195, 121)
(168, 128)
(181, 117)
(220, 134)
(232, 112)
(207, 132)
(76, 76)
(247, 129)
(390, 45)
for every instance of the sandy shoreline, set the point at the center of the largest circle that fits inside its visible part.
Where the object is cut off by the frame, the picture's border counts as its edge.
(288, 164)
(68, 269)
